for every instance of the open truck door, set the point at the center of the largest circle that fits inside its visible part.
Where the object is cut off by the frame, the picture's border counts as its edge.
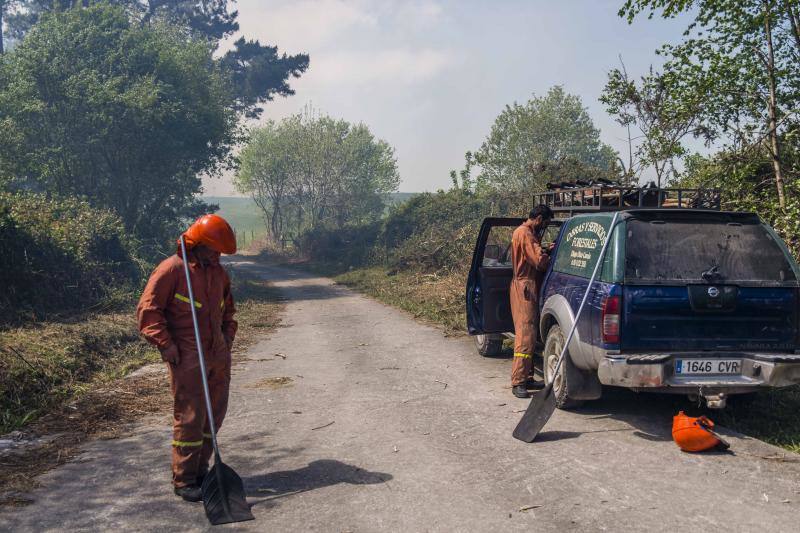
(487, 298)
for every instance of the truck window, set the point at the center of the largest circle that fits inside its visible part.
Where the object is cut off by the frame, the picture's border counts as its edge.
(704, 251)
(580, 245)
(497, 252)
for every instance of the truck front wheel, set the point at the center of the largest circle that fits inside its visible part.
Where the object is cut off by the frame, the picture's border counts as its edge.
(561, 387)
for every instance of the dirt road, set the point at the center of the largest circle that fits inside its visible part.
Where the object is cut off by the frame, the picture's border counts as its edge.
(368, 421)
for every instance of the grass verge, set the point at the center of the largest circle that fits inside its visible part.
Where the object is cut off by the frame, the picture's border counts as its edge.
(769, 415)
(69, 382)
(432, 298)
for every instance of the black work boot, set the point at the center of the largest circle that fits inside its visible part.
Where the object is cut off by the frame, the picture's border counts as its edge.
(533, 384)
(190, 493)
(520, 391)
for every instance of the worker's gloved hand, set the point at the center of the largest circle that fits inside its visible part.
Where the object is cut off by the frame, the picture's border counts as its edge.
(171, 354)
(228, 342)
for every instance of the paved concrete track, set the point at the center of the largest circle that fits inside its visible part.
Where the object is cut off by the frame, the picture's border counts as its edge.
(373, 422)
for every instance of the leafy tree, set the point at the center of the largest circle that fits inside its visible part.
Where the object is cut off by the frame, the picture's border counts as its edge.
(465, 174)
(94, 106)
(547, 130)
(314, 171)
(209, 18)
(258, 72)
(739, 57)
(661, 120)
(746, 179)
(265, 175)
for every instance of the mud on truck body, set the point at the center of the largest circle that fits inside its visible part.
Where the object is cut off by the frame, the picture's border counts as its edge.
(691, 299)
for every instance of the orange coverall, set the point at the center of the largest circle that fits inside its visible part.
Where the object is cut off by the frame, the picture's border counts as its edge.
(165, 319)
(530, 262)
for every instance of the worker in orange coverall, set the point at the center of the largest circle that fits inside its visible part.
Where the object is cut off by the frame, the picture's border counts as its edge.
(530, 261)
(165, 320)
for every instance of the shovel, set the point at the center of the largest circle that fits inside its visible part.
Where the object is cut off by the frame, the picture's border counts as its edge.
(223, 491)
(543, 404)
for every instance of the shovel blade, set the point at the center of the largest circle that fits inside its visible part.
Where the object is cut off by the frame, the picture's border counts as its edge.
(539, 411)
(224, 498)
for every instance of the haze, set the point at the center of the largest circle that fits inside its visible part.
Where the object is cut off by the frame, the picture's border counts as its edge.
(429, 77)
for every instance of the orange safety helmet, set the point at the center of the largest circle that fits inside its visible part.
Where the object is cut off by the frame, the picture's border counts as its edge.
(212, 231)
(690, 434)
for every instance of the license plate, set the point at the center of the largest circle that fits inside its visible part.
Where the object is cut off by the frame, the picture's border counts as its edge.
(708, 366)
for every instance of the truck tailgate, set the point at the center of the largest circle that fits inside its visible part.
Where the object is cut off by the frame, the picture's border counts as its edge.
(688, 318)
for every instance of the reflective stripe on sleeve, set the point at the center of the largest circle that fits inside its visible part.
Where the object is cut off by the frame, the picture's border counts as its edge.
(206, 435)
(183, 298)
(516, 354)
(187, 443)
(222, 304)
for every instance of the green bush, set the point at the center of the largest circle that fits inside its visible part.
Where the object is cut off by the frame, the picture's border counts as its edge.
(435, 232)
(431, 232)
(61, 255)
(349, 247)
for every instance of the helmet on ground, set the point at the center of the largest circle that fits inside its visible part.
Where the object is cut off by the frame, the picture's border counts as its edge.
(212, 231)
(690, 435)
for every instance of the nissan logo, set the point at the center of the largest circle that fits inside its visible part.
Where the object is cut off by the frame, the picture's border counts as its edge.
(713, 292)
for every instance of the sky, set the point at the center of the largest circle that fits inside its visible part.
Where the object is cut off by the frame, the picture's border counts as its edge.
(430, 76)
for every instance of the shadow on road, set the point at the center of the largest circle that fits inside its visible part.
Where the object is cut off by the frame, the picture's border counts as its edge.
(546, 436)
(317, 474)
(649, 414)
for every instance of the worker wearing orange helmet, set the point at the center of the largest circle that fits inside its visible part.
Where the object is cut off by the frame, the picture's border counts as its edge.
(165, 320)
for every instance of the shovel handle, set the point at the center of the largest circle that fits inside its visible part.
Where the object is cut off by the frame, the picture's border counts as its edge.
(204, 376)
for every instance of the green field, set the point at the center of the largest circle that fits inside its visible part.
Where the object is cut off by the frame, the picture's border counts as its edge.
(246, 218)
(242, 214)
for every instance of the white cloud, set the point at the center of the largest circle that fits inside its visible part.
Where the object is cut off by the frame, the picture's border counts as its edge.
(302, 25)
(411, 15)
(396, 66)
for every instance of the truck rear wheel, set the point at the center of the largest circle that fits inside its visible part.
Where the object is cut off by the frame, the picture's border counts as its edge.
(489, 345)
(561, 387)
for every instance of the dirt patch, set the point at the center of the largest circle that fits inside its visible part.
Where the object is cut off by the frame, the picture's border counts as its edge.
(271, 383)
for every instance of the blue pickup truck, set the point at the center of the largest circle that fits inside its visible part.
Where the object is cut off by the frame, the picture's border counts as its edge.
(692, 301)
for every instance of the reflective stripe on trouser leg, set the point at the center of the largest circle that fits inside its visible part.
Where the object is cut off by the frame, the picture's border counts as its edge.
(188, 419)
(189, 414)
(524, 312)
(187, 443)
(521, 368)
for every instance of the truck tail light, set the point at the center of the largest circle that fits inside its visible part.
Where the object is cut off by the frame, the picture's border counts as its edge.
(612, 307)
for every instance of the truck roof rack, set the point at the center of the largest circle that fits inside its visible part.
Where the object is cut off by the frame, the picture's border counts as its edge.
(567, 199)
